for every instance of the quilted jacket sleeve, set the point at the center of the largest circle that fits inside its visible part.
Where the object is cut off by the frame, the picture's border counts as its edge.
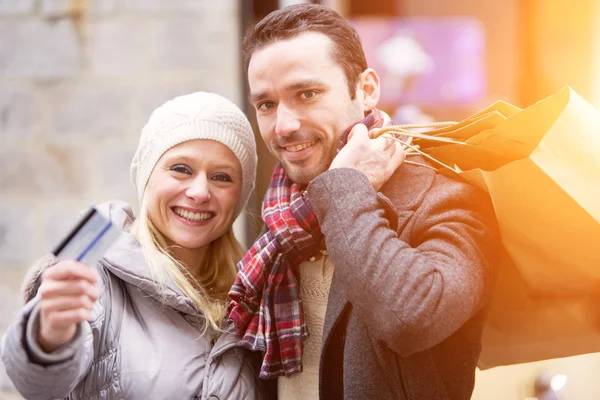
(40, 375)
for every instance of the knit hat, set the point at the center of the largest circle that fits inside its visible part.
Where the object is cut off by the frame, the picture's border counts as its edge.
(197, 115)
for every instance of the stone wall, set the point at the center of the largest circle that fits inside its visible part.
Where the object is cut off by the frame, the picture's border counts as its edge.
(78, 79)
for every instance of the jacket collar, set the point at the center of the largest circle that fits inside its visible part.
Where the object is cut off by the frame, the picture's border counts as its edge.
(399, 198)
(125, 260)
(335, 305)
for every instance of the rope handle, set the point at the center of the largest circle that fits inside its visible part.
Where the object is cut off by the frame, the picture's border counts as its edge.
(395, 131)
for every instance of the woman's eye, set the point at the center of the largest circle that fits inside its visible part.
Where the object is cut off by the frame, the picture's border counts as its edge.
(222, 178)
(184, 169)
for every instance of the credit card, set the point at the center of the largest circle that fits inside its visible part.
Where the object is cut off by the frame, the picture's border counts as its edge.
(88, 240)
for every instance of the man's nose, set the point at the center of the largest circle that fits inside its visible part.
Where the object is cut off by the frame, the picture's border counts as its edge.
(199, 189)
(287, 121)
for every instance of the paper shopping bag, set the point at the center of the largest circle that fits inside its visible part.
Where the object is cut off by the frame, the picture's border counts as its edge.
(524, 326)
(541, 168)
(547, 200)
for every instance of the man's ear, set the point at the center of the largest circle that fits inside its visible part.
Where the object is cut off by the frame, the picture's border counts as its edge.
(369, 89)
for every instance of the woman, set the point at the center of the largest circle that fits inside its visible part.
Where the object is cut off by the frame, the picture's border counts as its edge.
(145, 323)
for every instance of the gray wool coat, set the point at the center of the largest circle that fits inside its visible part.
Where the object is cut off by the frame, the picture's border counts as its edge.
(413, 275)
(134, 347)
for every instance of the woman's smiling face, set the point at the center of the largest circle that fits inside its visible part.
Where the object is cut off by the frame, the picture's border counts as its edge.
(194, 192)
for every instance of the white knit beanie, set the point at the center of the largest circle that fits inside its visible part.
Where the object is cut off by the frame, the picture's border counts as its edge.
(198, 115)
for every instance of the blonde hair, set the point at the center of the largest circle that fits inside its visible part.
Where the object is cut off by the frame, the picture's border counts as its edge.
(209, 290)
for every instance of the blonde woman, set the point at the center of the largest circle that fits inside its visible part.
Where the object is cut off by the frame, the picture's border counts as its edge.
(147, 322)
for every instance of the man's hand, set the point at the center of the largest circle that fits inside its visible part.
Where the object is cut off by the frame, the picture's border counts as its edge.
(376, 158)
(68, 292)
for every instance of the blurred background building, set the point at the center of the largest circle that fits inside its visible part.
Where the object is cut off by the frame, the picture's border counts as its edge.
(79, 78)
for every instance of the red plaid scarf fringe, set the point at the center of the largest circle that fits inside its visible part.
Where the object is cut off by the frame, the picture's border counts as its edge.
(266, 308)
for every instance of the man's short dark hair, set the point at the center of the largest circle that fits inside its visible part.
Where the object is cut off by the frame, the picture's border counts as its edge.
(291, 21)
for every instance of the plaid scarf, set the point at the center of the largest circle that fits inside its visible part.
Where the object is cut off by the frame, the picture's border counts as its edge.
(266, 308)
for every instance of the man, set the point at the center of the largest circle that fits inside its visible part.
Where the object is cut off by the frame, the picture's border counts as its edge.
(365, 285)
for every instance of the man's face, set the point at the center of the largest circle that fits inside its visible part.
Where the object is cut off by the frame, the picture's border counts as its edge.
(302, 103)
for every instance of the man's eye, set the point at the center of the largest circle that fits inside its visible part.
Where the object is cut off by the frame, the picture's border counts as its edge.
(181, 168)
(309, 94)
(222, 178)
(267, 105)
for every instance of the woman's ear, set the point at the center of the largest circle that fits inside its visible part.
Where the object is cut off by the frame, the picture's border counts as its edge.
(369, 89)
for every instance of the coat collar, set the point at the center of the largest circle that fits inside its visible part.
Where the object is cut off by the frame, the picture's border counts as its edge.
(125, 259)
(399, 197)
(335, 305)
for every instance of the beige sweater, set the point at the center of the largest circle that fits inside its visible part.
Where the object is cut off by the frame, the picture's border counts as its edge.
(315, 281)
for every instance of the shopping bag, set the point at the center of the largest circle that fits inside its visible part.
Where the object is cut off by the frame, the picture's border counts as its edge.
(547, 200)
(524, 326)
(541, 168)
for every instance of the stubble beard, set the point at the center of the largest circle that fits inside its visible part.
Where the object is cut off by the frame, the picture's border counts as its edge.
(302, 175)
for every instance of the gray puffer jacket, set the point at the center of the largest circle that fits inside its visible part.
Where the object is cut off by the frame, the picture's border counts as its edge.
(134, 347)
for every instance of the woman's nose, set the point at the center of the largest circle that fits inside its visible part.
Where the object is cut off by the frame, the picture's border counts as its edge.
(199, 189)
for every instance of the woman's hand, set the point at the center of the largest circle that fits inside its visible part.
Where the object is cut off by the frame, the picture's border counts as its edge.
(68, 293)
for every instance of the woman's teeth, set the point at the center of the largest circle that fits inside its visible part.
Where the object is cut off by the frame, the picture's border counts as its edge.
(299, 147)
(193, 216)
